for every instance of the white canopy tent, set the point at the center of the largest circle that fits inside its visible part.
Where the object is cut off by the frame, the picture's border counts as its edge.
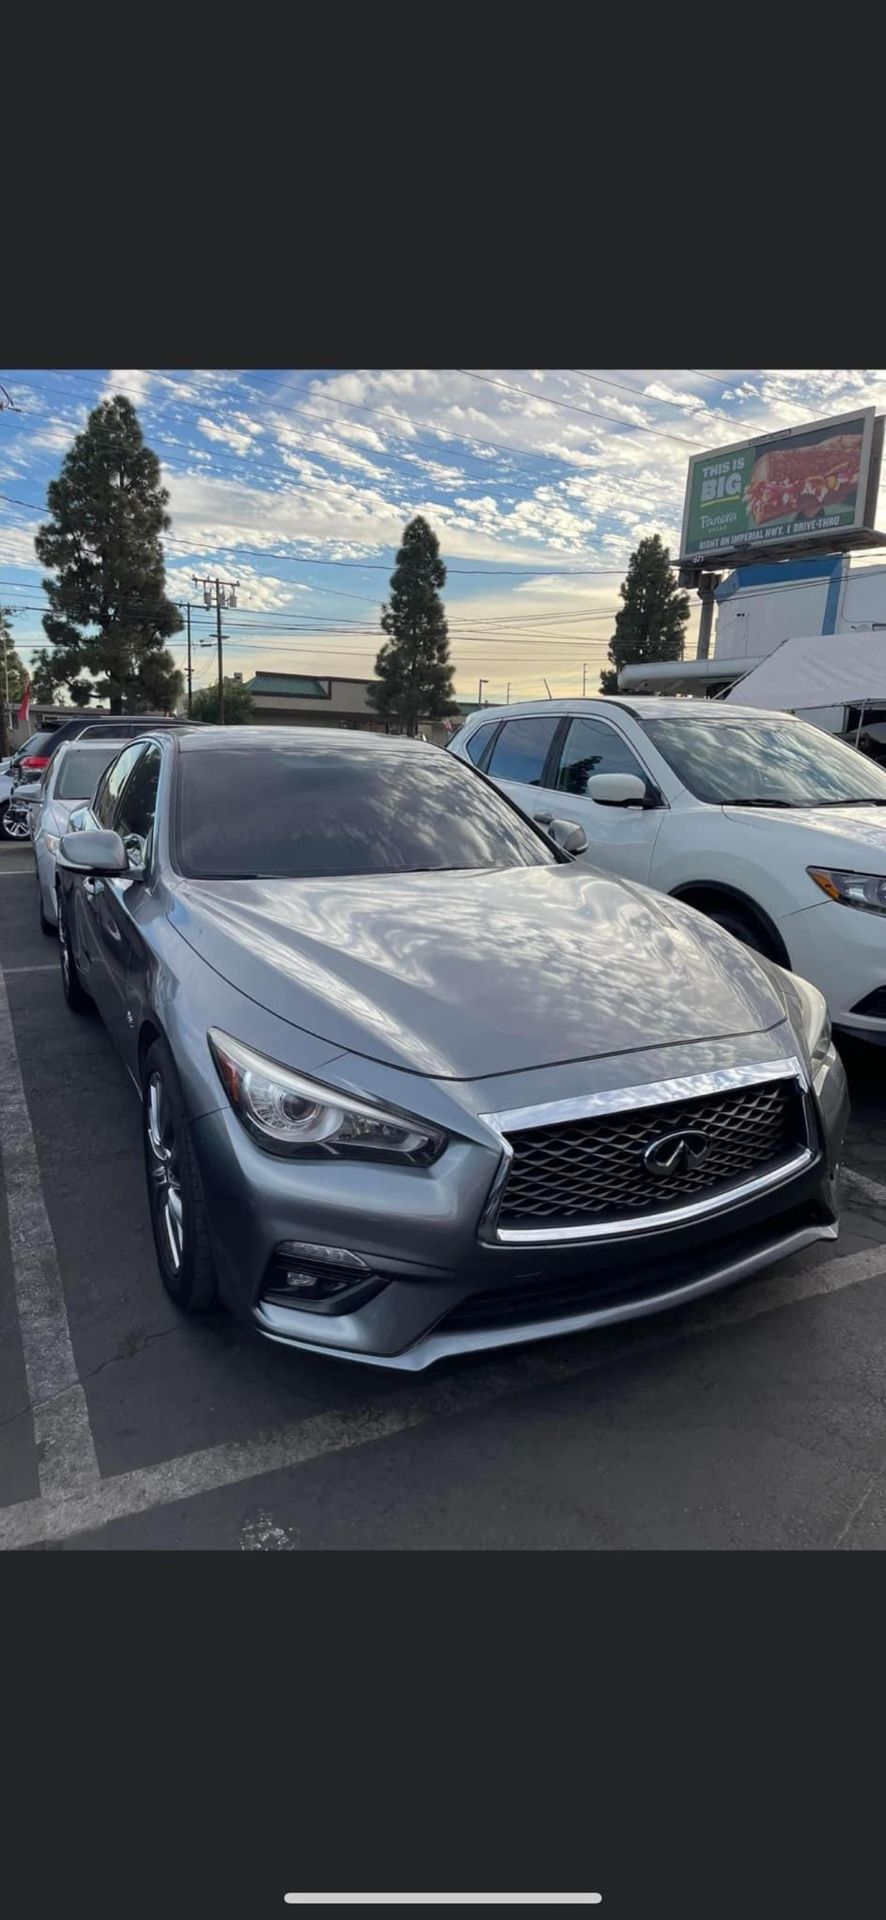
(826, 670)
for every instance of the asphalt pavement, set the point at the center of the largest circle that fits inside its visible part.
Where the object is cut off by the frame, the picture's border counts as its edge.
(757, 1419)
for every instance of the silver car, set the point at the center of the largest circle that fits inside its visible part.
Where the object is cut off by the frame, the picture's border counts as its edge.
(414, 1081)
(70, 779)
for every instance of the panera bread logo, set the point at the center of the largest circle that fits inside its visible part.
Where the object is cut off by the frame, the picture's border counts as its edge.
(540, 1901)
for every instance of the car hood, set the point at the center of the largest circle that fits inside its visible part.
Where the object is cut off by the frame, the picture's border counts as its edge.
(845, 835)
(463, 975)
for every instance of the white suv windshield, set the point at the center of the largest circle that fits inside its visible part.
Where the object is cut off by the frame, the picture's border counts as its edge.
(764, 763)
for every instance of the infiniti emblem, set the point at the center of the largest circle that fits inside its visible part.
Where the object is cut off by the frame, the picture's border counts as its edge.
(677, 1152)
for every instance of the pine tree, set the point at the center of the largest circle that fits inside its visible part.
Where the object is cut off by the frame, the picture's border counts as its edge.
(109, 611)
(652, 623)
(413, 668)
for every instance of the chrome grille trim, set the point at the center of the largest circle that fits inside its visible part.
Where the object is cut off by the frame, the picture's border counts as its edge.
(655, 1093)
(625, 1100)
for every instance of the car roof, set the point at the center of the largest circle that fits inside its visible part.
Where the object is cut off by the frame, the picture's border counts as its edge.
(347, 739)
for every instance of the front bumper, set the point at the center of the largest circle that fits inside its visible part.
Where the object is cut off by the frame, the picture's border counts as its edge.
(45, 863)
(843, 952)
(442, 1289)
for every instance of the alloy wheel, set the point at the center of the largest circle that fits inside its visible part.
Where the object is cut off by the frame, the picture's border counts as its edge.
(164, 1173)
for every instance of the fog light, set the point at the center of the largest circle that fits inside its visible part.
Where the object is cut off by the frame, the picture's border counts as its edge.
(302, 1274)
(316, 1286)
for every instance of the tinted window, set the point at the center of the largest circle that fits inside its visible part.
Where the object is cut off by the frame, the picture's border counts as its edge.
(593, 747)
(109, 790)
(785, 762)
(301, 811)
(78, 773)
(138, 800)
(39, 744)
(478, 743)
(521, 749)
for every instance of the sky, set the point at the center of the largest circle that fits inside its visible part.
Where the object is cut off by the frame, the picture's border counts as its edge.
(297, 483)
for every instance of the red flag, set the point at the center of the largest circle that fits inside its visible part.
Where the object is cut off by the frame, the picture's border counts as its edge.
(25, 707)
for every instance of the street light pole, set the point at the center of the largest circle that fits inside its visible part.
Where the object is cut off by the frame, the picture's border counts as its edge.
(584, 679)
(480, 685)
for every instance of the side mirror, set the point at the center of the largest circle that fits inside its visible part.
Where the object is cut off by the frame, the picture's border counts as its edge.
(617, 790)
(93, 851)
(568, 835)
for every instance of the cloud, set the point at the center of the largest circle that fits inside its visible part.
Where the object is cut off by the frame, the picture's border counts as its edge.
(133, 381)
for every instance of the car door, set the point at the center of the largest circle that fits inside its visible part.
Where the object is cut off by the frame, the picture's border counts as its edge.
(620, 838)
(101, 902)
(522, 760)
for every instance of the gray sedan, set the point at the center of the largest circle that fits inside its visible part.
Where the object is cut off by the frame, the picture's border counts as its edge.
(70, 779)
(415, 1082)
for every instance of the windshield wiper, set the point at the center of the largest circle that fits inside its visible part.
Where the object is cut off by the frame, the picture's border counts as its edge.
(863, 800)
(757, 802)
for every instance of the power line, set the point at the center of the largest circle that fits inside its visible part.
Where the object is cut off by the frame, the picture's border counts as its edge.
(658, 432)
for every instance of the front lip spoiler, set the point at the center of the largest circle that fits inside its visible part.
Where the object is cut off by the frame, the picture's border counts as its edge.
(445, 1346)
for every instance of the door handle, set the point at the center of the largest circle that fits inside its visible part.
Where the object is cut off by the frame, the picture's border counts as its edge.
(542, 819)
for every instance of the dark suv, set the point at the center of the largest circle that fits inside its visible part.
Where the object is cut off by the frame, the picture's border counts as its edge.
(110, 726)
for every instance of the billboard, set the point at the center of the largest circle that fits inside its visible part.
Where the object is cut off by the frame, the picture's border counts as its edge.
(813, 485)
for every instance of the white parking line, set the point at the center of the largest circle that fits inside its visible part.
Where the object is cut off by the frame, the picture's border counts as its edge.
(67, 1458)
(61, 1515)
(871, 1189)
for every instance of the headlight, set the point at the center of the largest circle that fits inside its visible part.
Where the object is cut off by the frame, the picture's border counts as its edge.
(290, 1114)
(50, 841)
(865, 890)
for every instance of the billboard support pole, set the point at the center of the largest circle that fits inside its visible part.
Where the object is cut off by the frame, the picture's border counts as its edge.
(707, 589)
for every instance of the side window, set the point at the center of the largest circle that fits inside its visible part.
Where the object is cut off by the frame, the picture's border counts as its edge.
(593, 747)
(110, 788)
(138, 799)
(479, 741)
(522, 748)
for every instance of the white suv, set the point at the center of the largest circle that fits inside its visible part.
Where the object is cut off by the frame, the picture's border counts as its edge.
(765, 823)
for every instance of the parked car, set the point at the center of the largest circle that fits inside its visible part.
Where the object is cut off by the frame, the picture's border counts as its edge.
(768, 825)
(413, 1080)
(109, 726)
(70, 779)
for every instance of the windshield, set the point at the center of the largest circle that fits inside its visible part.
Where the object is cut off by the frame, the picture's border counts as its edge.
(765, 762)
(78, 774)
(309, 811)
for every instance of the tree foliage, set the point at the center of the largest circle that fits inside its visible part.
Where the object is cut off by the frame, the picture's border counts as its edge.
(414, 674)
(238, 704)
(109, 615)
(13, 679)
(652, 623)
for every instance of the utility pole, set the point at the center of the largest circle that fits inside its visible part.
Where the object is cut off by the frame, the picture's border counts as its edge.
(225, 596)
(6, 715)
(190, 664)
(584, 678)
(480, 685)
(508, 695)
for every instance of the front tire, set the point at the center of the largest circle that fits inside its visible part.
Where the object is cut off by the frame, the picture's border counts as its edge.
(73, 989)
(46, 925)
(175, 1196)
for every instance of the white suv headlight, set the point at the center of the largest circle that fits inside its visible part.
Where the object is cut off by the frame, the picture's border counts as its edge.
(287, 1113)
(864, 890)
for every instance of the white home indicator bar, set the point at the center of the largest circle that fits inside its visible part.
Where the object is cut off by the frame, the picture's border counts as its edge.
(443, 1899)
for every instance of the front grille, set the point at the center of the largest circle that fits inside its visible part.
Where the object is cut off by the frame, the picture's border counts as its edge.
(591, 1171)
